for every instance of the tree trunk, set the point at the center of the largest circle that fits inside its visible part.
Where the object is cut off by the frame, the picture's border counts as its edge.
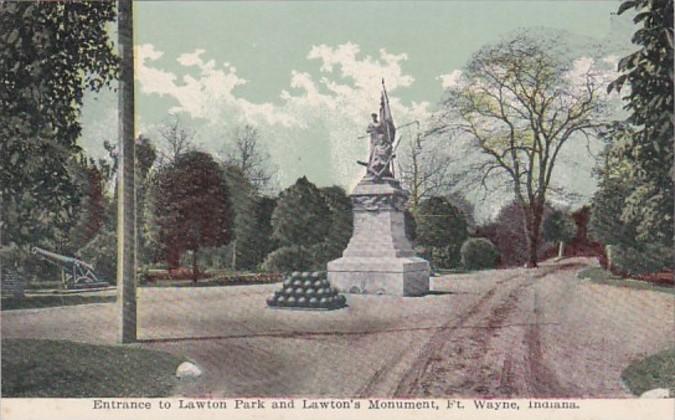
(533, 234)
(195, 270)
(173, 258)
(234, 255)
(561, 249)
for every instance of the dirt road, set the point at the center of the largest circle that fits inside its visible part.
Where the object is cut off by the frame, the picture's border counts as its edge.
(543, 333)
(502, 333)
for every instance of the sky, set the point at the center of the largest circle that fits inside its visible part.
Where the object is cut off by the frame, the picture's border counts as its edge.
(307, 74)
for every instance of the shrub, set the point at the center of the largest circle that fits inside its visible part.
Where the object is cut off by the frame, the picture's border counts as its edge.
(479, 253)
(445, 256)
(631, 261)
(341, 223)
(441, 227)
(287, 259)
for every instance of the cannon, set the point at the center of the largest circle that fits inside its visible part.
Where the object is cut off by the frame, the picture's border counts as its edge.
(75, 273)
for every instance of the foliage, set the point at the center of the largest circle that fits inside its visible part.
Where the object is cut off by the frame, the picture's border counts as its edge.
(441, 227)
(145, 154)
(605, 224)
(646, 150)
(301, 216)
(101, 253)
(630, 261)
(252, 220)
(655, 371)
(341, 223)
(50, 53)
(190, 207)
(410, 225)
(508, 234)
(242, 199)
(559, 227)
(478, 254)
(287, 259)
(89, 215)
(445, 256)
(63, 369)
(520, 106)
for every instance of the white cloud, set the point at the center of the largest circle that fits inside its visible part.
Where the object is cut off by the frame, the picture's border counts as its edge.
(311, 117)
(451, 79)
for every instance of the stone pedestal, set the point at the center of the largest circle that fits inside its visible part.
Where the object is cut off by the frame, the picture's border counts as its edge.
(379, 258)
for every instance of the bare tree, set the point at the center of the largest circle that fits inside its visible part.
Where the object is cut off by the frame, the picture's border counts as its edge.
(424, 169)
(246, 153)
(177, 138)
(520, 104)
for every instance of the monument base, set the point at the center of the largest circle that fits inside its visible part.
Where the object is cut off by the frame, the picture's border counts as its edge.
(400, 276)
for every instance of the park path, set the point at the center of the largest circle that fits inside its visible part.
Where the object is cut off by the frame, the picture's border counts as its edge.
(503, 333)
(543, 334)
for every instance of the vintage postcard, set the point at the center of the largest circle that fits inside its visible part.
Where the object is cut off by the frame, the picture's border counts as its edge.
(275, 209)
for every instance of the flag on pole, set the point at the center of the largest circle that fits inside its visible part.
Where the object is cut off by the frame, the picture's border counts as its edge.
(386, 117)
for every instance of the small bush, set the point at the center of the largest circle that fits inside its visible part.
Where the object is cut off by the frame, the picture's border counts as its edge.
(287, 259)
(631, 261)
(445, 256)
(478, 253)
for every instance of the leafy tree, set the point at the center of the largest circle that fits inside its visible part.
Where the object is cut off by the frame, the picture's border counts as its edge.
(605, 224)
(50, 53)
(252, 220)
(508, 234)
(559, 227)
(301, 216)
(90, 212)
(647, 147)
(341, 222)
(145, 155)
(519, 104)
(190, 207)
(442, 227)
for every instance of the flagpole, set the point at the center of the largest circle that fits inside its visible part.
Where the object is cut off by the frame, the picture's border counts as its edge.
(386, 123)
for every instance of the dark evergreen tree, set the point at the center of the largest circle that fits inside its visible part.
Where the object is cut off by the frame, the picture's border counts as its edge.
(301, 216)
(341, 223)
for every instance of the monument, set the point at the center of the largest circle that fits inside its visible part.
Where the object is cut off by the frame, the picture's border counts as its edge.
(379, 258)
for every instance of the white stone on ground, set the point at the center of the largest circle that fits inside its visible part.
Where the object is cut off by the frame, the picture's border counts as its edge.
(188, 370)
(656, 393)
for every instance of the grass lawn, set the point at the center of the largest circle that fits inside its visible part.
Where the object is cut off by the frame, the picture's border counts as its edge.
(601, 276)
(31, 302)
(64, 369)
(657, 371)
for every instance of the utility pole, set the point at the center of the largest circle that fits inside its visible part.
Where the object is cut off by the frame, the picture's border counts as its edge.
(126, 192)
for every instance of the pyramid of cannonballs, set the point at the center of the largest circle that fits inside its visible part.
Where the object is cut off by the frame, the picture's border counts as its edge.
(307, 291)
